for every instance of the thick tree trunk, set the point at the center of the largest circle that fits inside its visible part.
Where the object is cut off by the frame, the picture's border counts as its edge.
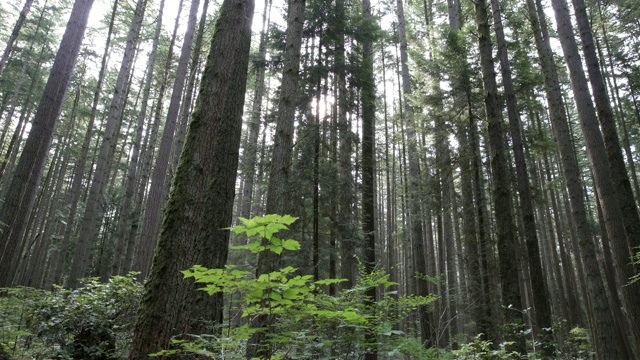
(200, 206)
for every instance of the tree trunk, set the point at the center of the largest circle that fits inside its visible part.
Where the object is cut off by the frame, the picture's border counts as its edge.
(368, 98)
(278, 190)
(14, 34)
(506, 236)
(89, 226)
(539, 289)
(156, 197)
(17, 204)
(200, 206)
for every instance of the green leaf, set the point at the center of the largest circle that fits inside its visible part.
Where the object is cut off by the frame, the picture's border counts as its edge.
(290, 244)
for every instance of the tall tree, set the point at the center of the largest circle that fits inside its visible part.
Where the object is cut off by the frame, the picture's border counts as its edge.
(539, 290)
(201, 201)
(92, 218)
(506, 236)
(278, 188)
(14, 34)
(414, 177)
(157, 192)
(368, 98)
(18, 202)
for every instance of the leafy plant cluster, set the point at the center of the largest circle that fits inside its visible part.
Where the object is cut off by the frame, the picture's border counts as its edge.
(308, 323)
(94, 321)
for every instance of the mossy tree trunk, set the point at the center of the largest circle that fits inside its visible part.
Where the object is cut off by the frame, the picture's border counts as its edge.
(201, 201)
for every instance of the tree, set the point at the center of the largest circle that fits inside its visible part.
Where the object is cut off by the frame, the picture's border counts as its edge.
(506, 236)
(201, 201)
(14, 34)
(91, 220)
(278, 188)
(368, 98)
(18, 202)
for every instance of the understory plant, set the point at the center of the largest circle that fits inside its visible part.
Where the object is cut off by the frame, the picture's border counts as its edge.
(308, 323)
(92, 322)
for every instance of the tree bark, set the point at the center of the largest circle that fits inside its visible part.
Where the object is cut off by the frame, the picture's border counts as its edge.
(201, 201)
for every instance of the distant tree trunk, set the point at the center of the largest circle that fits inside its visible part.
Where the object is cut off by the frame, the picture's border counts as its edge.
(148, 234)
(603, 327)
(414, 176)
(506, 236)
(278, 190)
(156, 197)
(119, 265)
(14, 34)
(17, 204)
(251, 148)
(78, 176)
(201, 202)
(188, 103)
(539, 290)
(612, 182)
(89, 226)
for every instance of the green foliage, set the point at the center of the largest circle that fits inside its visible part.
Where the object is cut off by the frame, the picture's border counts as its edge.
(15, 305)
(483, 349)
(309, 324)
(579, 344)
(91, 322)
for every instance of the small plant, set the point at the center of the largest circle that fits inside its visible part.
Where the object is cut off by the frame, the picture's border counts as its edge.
(308, 323)
(483, 349)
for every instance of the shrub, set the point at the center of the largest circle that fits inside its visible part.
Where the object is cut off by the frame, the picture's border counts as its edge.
(309, 324)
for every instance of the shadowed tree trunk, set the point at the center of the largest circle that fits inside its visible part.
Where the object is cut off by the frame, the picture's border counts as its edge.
(201, 201)
(506, 236)
(540, 294)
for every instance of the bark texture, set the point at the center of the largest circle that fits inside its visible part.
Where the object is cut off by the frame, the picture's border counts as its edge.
(201, 201)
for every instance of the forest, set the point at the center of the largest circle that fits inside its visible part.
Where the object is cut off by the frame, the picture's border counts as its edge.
(319, 179)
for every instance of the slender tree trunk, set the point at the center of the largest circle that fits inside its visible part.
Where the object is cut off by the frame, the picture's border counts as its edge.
(156, 197)
(17, 204)
(368, 98)
(89, 226)
(14, 34)
(278, 190)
